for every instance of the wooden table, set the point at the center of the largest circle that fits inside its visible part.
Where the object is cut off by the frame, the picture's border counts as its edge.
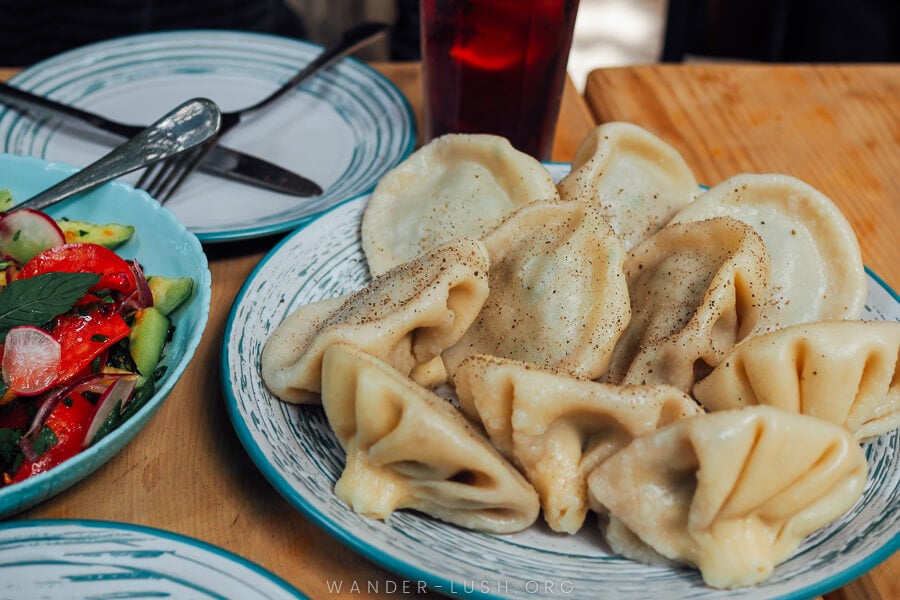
(186, 470)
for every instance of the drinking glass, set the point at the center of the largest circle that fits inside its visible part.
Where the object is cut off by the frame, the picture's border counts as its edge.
(496, 66)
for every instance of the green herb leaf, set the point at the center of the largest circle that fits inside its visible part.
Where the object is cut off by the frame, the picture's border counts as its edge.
(8, 448)
(46, 439)
(36, 300)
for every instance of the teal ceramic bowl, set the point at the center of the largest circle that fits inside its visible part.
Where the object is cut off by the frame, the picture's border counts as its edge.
(163, 246)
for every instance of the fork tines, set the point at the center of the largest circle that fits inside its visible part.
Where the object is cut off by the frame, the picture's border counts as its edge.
(165, 177)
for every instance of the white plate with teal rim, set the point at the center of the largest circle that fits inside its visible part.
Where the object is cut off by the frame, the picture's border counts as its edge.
(164, 247)
(70, 559)
(344, 128)
(295, 449)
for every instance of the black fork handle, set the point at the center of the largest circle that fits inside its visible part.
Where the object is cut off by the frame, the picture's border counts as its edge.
(353, 39)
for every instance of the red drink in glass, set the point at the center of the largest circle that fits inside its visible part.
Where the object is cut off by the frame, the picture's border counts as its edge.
(496, 66)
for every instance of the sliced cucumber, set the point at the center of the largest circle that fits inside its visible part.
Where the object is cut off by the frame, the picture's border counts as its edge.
(148, 336)
(169, 292)
(6, 199)
(110, 235)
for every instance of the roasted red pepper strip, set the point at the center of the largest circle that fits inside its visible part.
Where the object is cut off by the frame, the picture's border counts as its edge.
(115, 272)
(82, 337)
(69, 422)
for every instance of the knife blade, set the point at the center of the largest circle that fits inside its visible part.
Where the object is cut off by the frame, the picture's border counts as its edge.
(246, 168)
(220, 160)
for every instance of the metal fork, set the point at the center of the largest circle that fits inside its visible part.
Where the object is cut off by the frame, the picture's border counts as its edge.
(162, 181)
(180, 132)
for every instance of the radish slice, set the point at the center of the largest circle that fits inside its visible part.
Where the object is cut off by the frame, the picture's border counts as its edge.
(115, 395)
(31, 359)
(26, 232)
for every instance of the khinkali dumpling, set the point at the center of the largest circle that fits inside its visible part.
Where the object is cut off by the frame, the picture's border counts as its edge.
(557, 429)
(817, 268)
(735, 492)
(845, 372)
(457, 185)
(636, 180)
(625, 543)
(696, 289)
(558, 295)
(406, 317)
(409, 448)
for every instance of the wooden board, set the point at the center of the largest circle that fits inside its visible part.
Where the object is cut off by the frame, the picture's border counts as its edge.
(835, 127)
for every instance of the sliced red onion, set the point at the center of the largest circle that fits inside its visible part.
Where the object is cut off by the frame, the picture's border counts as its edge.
(142, 296)
(98, 383)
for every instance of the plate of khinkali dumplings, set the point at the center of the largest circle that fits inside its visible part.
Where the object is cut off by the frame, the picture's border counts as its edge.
(606, 388)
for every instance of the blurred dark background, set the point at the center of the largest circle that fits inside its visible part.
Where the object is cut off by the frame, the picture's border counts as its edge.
(32, 30)
(783, 30)
(760, 30)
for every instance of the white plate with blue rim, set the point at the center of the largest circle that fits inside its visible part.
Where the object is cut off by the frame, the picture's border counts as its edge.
(294, 448)
(344, 128)
(68, 559)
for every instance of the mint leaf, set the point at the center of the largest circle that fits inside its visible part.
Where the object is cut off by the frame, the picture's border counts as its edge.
(36, 300)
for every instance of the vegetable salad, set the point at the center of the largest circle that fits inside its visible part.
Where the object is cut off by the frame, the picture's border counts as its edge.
(82, 332)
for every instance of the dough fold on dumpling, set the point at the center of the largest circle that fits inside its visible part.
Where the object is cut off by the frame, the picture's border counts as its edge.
(457, 185)
(406, 317)
(558, 295)
(408, 448)
(846, 372)
(625, 543)
(817, 268)
(733, 493)
(696, 289)
(636, 180)
(557, 428)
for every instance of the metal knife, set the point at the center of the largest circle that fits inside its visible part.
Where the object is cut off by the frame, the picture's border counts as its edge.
(220, 160)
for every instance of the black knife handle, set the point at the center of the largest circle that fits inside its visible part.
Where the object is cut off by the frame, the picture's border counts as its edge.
(37, 104)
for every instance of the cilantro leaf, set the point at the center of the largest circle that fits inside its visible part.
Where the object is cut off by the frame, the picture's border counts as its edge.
(36, 300)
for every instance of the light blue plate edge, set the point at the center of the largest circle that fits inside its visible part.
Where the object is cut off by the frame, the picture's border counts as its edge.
(159, 533)
(406, 569)
(256, 232)
(45, 485)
